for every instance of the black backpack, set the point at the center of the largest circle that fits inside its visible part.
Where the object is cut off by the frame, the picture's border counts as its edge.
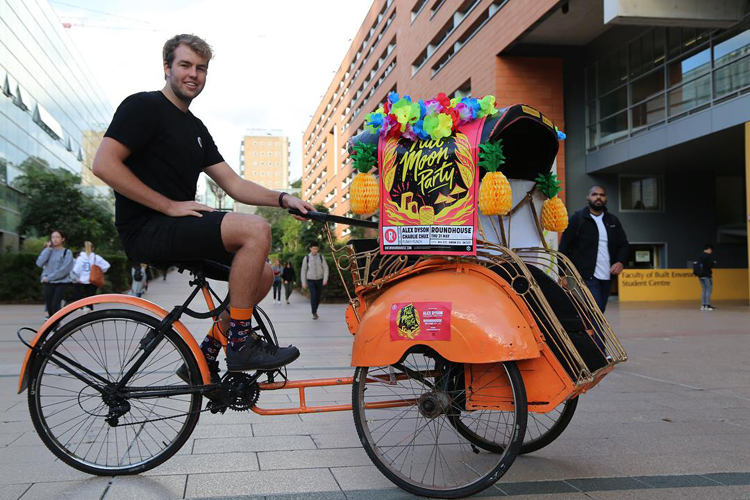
(698, 268)
(138, 275)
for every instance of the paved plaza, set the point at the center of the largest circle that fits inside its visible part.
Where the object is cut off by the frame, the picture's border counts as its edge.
(671, 423)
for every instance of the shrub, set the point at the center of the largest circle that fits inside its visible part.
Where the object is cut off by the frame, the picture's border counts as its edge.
(21, 277)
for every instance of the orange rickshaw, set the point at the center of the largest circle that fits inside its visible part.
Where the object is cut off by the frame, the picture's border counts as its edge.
(461, 361)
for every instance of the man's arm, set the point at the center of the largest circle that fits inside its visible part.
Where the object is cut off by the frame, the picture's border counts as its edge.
(325, 270)
(109, 166)
(568, 237)
(622, 250)
(250, 193)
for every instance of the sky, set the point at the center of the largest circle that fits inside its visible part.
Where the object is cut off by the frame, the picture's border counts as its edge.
(274, 59)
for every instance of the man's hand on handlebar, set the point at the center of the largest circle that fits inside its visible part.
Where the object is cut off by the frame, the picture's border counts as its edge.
(290, 201)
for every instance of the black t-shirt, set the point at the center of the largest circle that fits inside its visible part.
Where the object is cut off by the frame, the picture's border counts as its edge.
(168, 151)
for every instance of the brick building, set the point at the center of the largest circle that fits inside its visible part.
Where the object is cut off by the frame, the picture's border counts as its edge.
(421, 48)
(655, 102)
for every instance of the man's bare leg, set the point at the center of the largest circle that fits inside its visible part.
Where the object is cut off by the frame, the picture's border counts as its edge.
(249, 238)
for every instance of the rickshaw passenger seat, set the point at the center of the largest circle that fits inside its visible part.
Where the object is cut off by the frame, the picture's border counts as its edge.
(566, 314)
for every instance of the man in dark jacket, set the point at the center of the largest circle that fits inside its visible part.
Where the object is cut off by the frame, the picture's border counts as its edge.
(597, 245)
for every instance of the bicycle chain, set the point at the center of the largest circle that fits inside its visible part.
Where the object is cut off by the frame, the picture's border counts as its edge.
(163, 418)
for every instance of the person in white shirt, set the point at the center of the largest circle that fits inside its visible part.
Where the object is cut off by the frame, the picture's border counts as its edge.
(81, 272)
(597, 244)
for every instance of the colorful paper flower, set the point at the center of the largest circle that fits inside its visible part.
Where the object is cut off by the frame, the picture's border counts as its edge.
(487, 106)
(435, 118)
(438, 125)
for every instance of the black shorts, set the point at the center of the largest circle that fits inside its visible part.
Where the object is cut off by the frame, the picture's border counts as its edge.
(160, 239)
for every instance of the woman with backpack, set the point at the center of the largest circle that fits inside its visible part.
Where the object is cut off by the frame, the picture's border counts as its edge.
(88, 272)
(57, 262)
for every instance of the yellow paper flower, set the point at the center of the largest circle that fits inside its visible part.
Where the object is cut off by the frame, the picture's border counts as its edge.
(438, 125)
(486, 106)
(405, 112)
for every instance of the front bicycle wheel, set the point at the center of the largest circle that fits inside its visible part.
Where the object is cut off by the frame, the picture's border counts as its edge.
(73, 416)
(403, 414)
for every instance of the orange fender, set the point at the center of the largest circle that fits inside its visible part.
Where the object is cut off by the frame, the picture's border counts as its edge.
(112, 298)
(488, 321)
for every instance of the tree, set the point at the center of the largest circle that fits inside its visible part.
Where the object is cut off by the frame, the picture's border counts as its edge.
(54, 200)
(219, 194)
(312, 232)
(297, 184)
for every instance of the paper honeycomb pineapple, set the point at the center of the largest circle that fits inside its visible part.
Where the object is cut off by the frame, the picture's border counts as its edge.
(495, 195)
(364, 190)
(554, 213)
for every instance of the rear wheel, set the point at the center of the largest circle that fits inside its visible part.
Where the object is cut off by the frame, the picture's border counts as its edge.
(404, 417)
(543, 428)
(70, 415)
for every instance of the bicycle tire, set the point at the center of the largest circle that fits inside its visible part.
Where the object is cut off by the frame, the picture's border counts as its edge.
(100, 341)
(541, 429)
(469, 471)
(538, 422)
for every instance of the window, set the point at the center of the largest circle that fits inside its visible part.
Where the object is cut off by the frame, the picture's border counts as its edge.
(417, 9)
(641, 193)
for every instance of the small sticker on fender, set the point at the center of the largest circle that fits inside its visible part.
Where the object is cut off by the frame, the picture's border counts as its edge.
(421, 321)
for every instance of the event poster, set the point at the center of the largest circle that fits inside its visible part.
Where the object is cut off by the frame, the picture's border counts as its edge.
(428, 194)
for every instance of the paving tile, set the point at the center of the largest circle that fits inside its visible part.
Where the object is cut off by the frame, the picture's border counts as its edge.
(253, 444)
(299, 429)
(389, 494)
(677, 481)
(730, 478)
(365, 477)
(535, 488)
(260, 483)
(14, 491)
(85, 489)
(197, 464)
(8, 438)
(607, 484)
(306, 459)
(707, 493)
(42, 471)
(146, 487)
(343, 440)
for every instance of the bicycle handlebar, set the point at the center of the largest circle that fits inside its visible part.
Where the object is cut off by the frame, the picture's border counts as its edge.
(323, 218)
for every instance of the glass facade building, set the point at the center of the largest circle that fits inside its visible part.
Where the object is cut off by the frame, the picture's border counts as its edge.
(52, 112)
(662, 76)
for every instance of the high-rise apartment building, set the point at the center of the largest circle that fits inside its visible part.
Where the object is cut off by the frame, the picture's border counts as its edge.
(49, 105)
(655, 103)
(264, 158)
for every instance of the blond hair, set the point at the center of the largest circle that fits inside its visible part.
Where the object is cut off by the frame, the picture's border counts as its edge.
(88, 247)
(196, 44)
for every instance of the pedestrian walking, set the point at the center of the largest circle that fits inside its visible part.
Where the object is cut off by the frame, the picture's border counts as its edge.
(703, 268)
(85, 274)
(597, 245)
(289, 278)
(276, 268)
(57, 262)
(138, 273)
(315, 274)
